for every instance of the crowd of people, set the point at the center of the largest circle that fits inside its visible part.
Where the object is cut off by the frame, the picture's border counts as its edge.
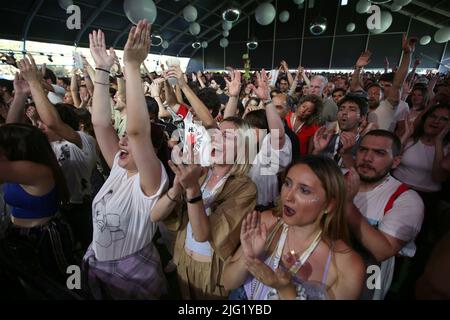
(220, 186)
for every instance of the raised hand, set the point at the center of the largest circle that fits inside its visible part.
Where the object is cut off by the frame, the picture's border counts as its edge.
(364, 59)
(155, 87)
(253, 235)
(278, 279)
(321, 139)
(352, 183)
(234, 86)
(21, 86)
(175, 72)
(29, 70)
(186, 175)
(98, 50)
(285, 66)
(408, 45)
(348, 140)
(138, 44)
(262, 86)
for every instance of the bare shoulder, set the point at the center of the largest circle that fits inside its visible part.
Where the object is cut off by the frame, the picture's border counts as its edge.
(350, 271)
(346, 257)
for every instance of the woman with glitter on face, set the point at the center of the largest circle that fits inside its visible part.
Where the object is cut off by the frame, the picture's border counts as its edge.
(301, 251)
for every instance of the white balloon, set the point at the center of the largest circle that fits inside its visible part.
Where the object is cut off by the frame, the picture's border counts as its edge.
(425, 40)
(165, 44)
(402, 3)
(386, 21)
(224, 42)
(227, 25)
(136, 10)
(194, 28)
(298, 1)
(350, 27)
(65, 3)
(265, 13)
(190, 13)
(284, 16)
(204, 44)
(442, 35)
(225, 33)
(363, 6)
(395, 7)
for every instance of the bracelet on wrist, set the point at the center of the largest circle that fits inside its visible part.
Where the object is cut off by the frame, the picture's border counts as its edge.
(195, 199)
(104, 70)
(170, 198)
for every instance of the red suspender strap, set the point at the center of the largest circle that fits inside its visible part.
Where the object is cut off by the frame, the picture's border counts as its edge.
(401, 188)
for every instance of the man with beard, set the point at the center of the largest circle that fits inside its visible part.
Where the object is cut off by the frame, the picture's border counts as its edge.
(342, 146)
(383, 214)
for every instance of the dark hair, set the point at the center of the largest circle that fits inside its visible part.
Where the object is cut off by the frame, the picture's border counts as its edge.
(318, 105)
(65, 80)
(152, 107)
(388, 77)
(281, 78)
(396, 143)
(257, 119)
(240, 108)
(423, 90)
(362, 103)
(68, 115)
(210, 99)
(8, 84)
(49, 74)
(220, 81)
(84, 118)
(420, 130)
(339, 89)
(26, 142)
(374, 84)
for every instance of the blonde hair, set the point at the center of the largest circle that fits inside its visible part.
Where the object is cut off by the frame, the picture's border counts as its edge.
(245, 138)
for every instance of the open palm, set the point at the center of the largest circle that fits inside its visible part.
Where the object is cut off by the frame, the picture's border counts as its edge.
(253, 235)
(98, 50)
(234, 86)
(364, 59)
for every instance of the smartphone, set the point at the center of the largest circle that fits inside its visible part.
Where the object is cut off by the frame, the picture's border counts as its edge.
(77, 60)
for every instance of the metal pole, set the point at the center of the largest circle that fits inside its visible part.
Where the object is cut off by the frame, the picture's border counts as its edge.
(303, 36)
(274, 35)
(334, 35)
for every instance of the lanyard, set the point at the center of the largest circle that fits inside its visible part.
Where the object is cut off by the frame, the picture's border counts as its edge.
(336, 156)
(293, 124)
(305, 255)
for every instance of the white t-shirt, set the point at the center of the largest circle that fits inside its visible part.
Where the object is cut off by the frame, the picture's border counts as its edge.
(386, 116)
(265, 167)
(196, 133)
(57, 96)
(403, 221)
(121, 214)
(417, 165)
(77, 165)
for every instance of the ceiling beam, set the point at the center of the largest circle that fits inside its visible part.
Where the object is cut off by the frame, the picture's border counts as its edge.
(432, 8)
(36, 6)
(91, 19)
(409, 14)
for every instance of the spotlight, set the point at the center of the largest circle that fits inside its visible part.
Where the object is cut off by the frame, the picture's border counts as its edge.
(252, 44)
(156, 38)
(196, 45)
(318, 26)
(231, 13)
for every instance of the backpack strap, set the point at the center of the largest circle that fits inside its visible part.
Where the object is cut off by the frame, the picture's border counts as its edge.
(401, 188)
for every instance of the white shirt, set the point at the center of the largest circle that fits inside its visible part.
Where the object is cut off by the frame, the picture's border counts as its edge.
(57, 96)
(196, 133)
(403, 221)
(121, 214)
(416, 166)
(77, 165)
(387, 116)
(265, 167)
